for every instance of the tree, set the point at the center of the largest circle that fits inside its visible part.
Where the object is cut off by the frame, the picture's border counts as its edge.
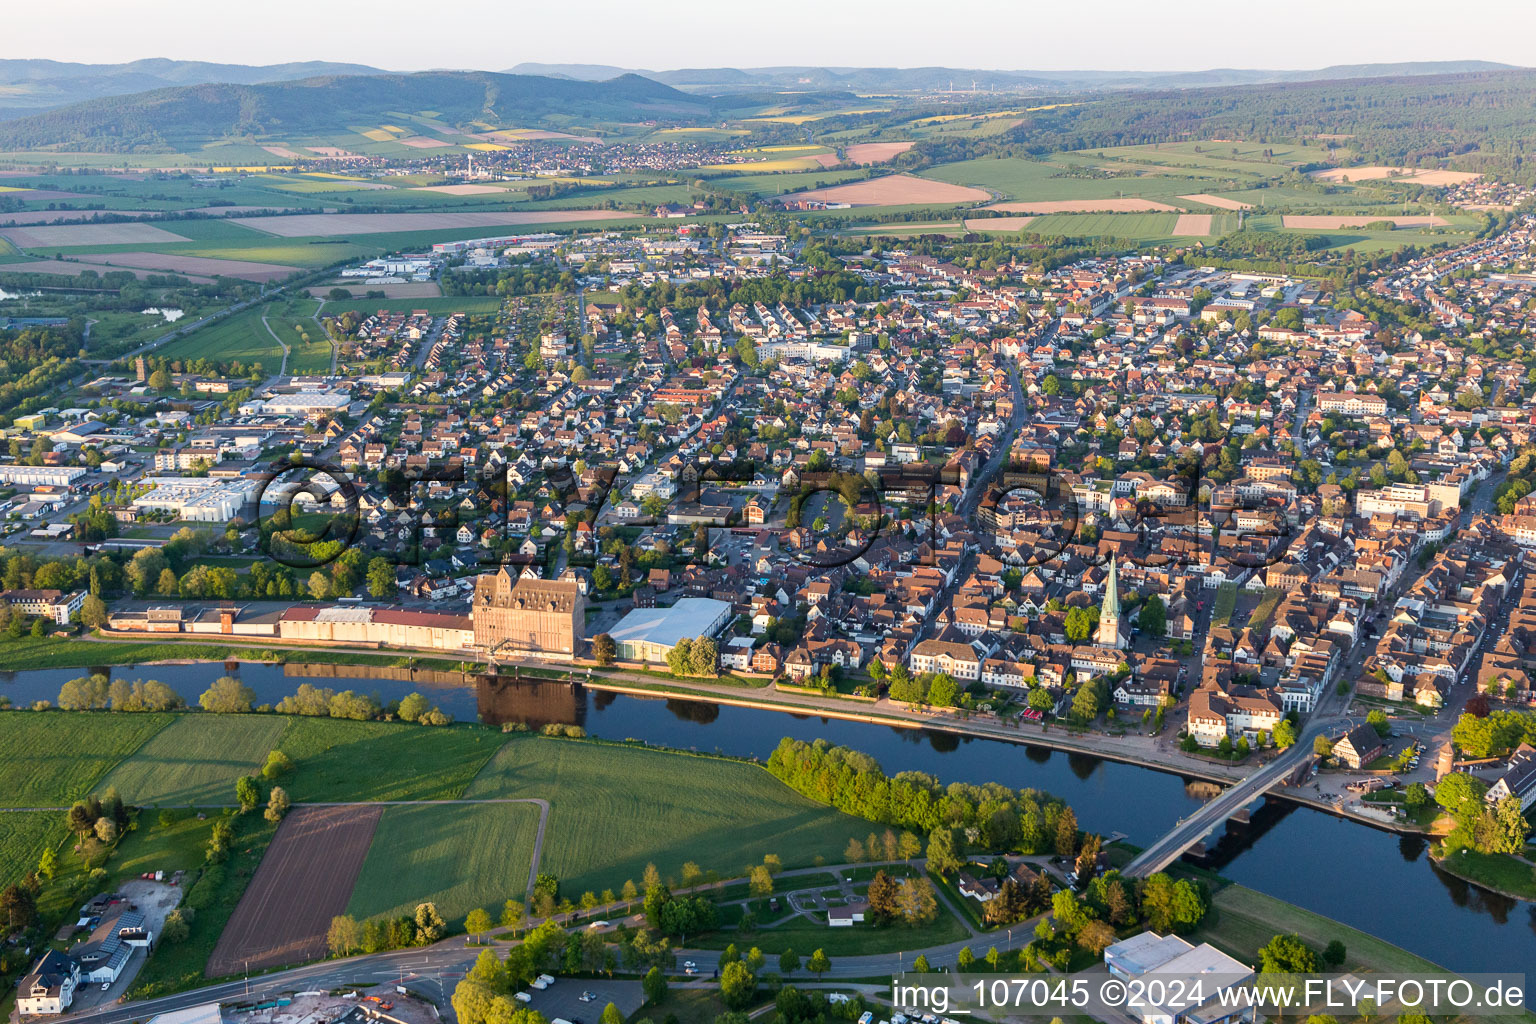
(1066, 833)
(227, 695)
(920, 964)
(1284, 734)
(1334, 953)
(611, 1015)
(942, 691)
(93, 612)
(882, 897)
(512, 914)
(48, 863)
(1322, 746)
(1153, 617)
(160, 380)
(381, 577)
(177, 926)
(789, 961)
(247, 793)
(106, 830)
(344, 937)
(604, 650)
(277, 804)
(965, 959)
(278, 764)
(916, 902)
(1096, 936)
(943, 858)
(760, 882)
(1377, 719)
(477, 922)
(818, 964)
(1460, 794)
(429, 924)
(412, 707)
(738, 985)
(1287, 954)
(654, 984)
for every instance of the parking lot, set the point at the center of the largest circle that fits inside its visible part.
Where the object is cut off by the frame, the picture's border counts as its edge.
(563, 1000)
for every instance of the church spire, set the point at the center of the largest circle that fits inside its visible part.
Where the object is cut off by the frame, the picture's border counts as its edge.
(1109, 634)
(1111, 606)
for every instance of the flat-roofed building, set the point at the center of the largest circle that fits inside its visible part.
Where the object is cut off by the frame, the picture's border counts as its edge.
(388, 627)
(647, 634)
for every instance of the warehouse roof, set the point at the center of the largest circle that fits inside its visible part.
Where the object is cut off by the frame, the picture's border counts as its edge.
(689, 617)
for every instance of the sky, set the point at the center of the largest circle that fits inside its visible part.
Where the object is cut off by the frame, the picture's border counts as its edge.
(493, 35)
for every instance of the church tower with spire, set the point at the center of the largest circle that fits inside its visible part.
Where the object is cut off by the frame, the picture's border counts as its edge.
(1109, 633)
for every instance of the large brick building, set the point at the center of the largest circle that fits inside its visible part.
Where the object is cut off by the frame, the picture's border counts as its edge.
(524, 614)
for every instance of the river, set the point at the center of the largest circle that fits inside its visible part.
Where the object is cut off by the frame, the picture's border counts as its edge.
(1377, 881)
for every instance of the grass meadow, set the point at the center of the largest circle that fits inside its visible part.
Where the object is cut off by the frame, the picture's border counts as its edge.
(459, 856)
(51, 759)
(23, 837)
(195, 760)
(615, 808)
(343, 760)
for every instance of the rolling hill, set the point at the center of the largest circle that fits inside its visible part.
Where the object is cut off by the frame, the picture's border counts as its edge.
(29, 86)
(941, 79)
(163, 119)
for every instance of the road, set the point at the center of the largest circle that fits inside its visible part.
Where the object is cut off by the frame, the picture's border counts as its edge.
(1212, 814)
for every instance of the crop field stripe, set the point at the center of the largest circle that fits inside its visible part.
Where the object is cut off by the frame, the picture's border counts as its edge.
(23, 837)
(614, 808)
(457, 855)
(304, 880)
(51, 760)
(195, 760)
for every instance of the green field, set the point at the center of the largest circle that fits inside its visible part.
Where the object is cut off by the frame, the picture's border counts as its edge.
(1035, 180)
(1141, 226)
(1242, 920)
(1247, 158)
(459, 856)
(51, 759)
(23, 836)
(237, 338)
(196, 759)
(613, 809)
(342, 760)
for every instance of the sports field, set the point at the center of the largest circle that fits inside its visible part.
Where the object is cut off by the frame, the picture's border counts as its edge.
(50, 759)
(195, 760)
(459, 856)
(614, 808)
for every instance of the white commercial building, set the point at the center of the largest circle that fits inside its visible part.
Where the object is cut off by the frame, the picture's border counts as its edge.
(299, 403)
(40, 476)
(647, 634)
(197, 499)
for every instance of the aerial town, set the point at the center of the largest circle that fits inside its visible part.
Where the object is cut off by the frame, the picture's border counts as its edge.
(400, 623)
